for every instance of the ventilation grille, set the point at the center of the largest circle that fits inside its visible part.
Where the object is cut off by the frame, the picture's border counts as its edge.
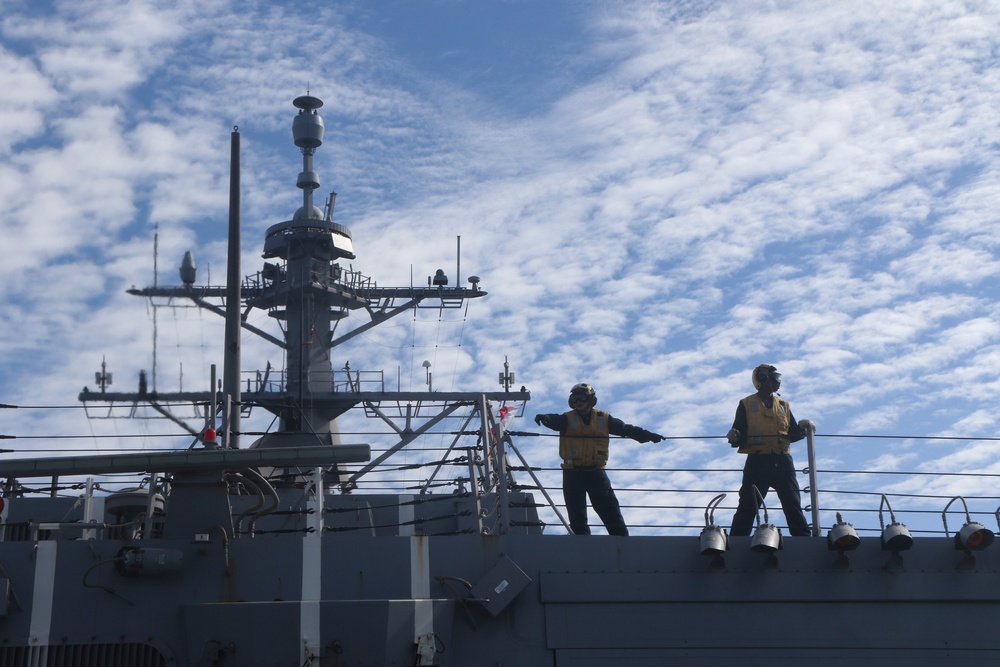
(83, 655)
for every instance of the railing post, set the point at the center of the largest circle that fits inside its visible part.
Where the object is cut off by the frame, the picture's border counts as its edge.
(500, 466)
(484, 436)
(474, 489)
(810, 429)
(147, 529)
(88, 510)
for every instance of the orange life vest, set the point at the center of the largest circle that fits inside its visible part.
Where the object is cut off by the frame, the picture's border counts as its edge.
(767, 427)
(585, 445)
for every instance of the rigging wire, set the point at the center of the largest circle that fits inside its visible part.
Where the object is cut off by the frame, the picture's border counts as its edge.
(382, 476)
(544, 434)
(511, 433)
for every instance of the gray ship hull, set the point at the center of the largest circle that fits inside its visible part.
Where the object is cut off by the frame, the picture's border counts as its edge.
(516, 599)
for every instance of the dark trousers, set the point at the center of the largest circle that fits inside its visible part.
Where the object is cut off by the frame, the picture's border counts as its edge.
(774, 471)
(578, 483)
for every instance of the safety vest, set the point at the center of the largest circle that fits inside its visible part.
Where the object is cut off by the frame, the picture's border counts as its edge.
(767, 427)
(585, 445)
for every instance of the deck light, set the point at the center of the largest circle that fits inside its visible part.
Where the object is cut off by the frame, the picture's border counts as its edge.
(973, 536)
(713, 539)
(895, 536)
(767, 537)
(842, 537)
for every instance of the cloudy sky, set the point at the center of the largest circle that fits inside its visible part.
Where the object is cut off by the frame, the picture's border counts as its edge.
(658, 196)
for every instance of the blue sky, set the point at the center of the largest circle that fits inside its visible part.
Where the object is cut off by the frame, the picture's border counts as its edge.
(657, 196)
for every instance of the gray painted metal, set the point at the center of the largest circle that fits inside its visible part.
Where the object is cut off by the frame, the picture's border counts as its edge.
(626, 601)
(201, 459)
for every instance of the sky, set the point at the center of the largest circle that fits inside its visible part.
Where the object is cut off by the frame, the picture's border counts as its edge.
(657, 197)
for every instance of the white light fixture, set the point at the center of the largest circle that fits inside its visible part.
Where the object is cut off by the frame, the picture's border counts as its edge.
(895, 536)
(767, 537)
(973, 536)
(713, 539)
(842, 537)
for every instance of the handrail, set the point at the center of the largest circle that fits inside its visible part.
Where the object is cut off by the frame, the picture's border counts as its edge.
(671, 500)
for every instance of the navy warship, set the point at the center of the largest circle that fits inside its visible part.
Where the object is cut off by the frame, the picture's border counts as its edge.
(292, 547)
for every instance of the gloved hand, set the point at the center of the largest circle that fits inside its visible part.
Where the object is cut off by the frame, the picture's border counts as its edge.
(733, 437)
(542, 420)
(642, 435)
(808, 425)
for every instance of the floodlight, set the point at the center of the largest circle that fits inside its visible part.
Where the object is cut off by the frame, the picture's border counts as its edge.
(767, 537)
(895, 536)
(973, 536)
(842, 537)
(713, 539)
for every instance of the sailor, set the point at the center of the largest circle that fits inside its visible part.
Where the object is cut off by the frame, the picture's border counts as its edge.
(764, 429)
(583, 445)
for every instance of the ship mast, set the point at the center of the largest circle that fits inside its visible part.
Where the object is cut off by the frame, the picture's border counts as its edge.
(305, 289)
(299, 293)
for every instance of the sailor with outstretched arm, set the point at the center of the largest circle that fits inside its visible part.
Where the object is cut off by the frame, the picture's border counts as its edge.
(584, 439)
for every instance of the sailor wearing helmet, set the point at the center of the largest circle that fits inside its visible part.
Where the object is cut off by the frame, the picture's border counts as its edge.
(764, 430)
(584, 436)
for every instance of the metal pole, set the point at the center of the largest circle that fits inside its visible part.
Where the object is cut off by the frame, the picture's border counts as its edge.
(317, 521)
(500, 466)
(484, 437)
(231, 368)
(213, 411)
(474, 489)
(88, 509)
(813, 490)
(147, 529)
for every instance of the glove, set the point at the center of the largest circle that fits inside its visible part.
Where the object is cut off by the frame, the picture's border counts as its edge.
(808, 424)
(542, 420)
(642, 435)
(733, 437)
